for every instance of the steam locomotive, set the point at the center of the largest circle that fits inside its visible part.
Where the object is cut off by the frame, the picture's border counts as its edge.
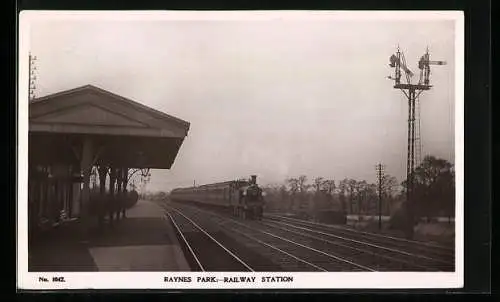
(244, 198)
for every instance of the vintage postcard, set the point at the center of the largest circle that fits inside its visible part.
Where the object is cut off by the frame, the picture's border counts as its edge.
(240, 150)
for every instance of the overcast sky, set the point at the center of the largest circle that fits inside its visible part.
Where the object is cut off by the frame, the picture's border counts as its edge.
(276, 98)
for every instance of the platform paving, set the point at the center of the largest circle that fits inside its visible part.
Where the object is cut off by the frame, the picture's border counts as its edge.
(143, 241)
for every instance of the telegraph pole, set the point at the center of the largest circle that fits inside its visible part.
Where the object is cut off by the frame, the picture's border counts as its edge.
(380, 173)
(32, 77)
(412, 92)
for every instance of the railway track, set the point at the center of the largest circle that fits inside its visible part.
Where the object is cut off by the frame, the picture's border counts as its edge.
(366, 255)
(290, 255)
(295, 241)
(429, 255)
(383, 258)
(283, 259)
(204, 251)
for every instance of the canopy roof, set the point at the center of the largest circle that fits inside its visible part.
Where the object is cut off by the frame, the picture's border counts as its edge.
(124, 133)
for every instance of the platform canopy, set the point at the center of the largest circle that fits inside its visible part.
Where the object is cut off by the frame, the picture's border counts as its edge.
(121, 132)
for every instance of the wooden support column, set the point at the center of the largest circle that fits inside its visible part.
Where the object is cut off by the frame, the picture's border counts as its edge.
(125, 195)
(33, 199)
(86, 166)
(87, 158)
(119, 193)
(101, 206)
(111, 204)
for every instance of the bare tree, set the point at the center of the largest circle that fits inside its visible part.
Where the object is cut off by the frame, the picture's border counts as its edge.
(361, 192)
(343, 190)
(434, 187)
(293, 184)
(283, 195)
(302, 182)
(329, 186)
(144, 176)
(303, 189)
(351, 186)
(318, 183)
(389, 191)
(389, 185)
(318, 199)
(371, 198)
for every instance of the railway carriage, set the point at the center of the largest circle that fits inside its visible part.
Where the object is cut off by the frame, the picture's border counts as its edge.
(244, 198)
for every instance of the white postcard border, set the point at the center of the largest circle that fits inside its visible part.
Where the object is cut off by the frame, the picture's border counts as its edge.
(145, 280)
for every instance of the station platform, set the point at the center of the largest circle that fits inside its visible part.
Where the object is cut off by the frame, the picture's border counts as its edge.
(143, 241)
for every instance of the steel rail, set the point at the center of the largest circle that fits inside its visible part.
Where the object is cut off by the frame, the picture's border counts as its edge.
(296, 243)
(367, 243)
(186, 242)
(364, 232)
(349, 247)
(279, 250)
(214, 240)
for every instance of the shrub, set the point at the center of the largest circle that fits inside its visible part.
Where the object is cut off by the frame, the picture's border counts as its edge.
(132, 198)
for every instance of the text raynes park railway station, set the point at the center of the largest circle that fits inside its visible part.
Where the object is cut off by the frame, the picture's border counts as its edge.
(74, 131)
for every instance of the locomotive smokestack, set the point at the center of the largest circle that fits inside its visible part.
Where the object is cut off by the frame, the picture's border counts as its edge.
(254, 179)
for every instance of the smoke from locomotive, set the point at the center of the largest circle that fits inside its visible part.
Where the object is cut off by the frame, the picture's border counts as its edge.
(244, 198)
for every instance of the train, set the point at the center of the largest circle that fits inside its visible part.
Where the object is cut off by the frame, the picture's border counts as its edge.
(243, 198)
